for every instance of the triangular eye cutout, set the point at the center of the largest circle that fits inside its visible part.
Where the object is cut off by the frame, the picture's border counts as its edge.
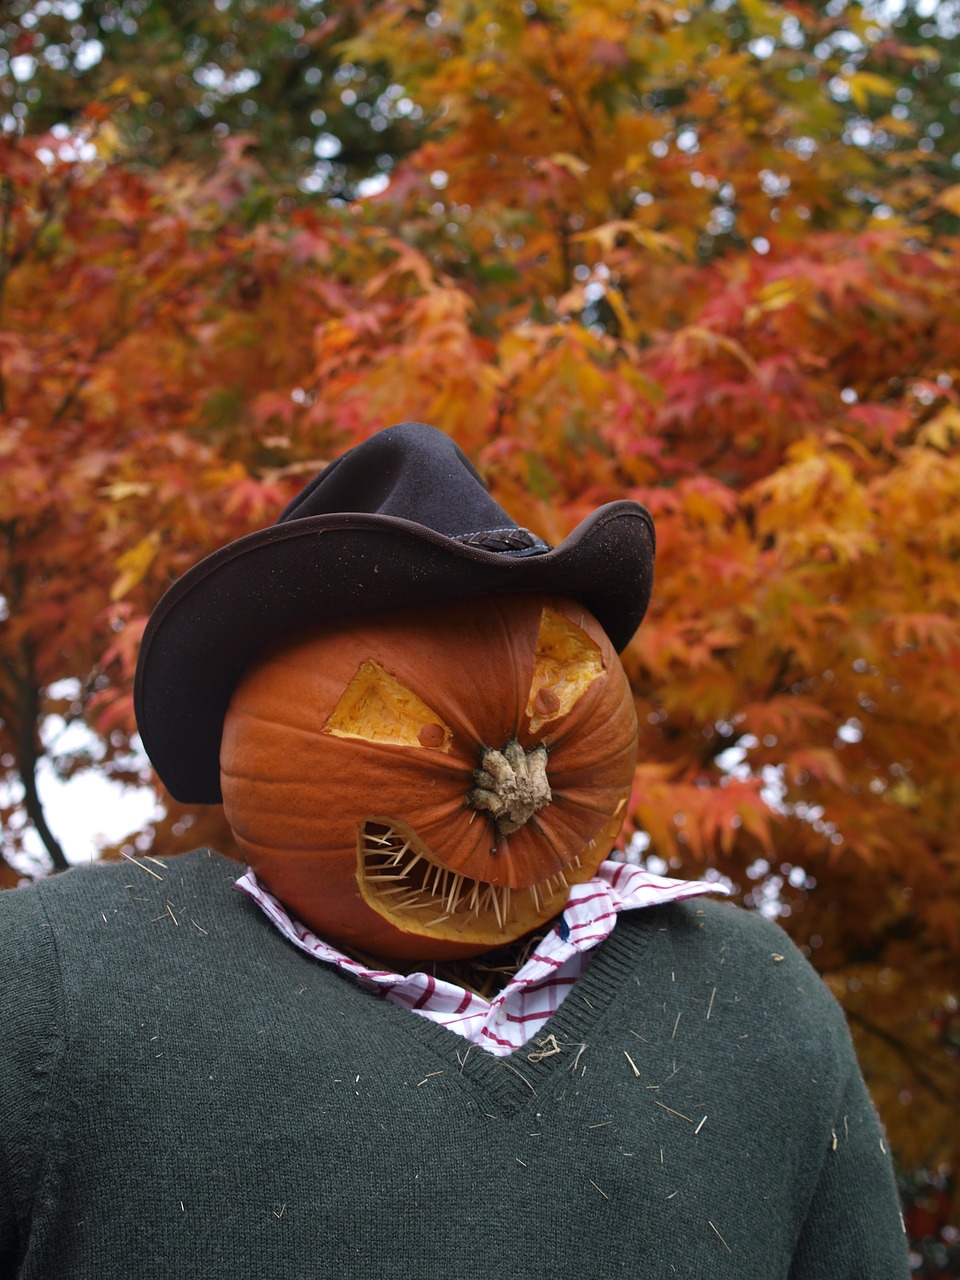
(566, 664)
(376, 707)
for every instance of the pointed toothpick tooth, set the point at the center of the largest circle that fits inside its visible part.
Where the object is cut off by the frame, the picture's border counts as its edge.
(398, 855)
(372, 838)
(496, 906)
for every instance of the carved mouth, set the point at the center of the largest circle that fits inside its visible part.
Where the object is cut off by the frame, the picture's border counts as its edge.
(400, 880)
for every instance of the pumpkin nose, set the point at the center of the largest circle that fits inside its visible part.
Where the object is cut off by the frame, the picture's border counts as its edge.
(511, 785)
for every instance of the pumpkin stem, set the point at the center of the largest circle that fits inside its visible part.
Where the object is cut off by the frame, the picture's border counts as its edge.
(511, 785)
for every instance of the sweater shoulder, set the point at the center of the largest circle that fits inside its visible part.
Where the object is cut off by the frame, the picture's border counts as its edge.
(755, 970)
(29, 960)
(61, 898)
(747, 942)
(97, 926)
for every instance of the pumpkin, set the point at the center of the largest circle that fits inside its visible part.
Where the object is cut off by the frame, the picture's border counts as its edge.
(428, 784)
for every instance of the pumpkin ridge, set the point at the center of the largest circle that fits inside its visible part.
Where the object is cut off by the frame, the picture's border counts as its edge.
(598, 752)
(239, 709)
(511, 638)
(570, 802)
(544, 835)
(254, 849)
(441, 762)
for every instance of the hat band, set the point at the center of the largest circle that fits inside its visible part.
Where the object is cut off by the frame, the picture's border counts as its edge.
(510, 540)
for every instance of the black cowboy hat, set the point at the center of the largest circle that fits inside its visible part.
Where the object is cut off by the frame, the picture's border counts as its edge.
(402, 519)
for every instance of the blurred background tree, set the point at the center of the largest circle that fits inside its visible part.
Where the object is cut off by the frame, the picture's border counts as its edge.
(180, 77)
(702, 255)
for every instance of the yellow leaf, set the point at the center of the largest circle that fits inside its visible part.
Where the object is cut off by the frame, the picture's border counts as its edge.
(572, 164)
(108, 141)
(628, 329)
(902, 128)
(779, 294)
(605, 236)
(866, 84)
(125, 489)
(774, 297)
(134, 564)
(942, 431)
(950, 199)
(765, 19)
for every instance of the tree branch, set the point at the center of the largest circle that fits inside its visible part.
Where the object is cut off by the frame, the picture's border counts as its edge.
(6, 216)
(27, 732)
(29, 757)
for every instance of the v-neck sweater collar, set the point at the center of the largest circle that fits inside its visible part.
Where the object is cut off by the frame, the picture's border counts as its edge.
(520, 1011)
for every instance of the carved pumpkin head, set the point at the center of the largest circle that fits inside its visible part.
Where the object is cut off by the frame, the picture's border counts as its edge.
(429, 783)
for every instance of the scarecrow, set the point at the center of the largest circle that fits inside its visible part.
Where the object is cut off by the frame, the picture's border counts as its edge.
(439, 1032)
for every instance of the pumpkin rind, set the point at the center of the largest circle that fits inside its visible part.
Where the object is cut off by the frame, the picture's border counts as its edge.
(301, 784)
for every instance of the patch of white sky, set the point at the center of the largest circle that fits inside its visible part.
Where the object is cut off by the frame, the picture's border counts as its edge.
(85, 812)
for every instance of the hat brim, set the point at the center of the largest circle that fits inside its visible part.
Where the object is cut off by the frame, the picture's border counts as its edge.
(222, 612)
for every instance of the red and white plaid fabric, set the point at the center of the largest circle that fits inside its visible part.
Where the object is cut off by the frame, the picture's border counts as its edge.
(537, 990)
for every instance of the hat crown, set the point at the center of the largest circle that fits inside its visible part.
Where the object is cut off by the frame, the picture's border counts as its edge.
(414, 472)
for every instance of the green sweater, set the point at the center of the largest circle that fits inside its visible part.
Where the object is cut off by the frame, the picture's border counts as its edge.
(185, 1094)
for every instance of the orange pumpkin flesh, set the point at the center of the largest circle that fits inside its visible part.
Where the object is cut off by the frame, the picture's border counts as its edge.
(428, 784)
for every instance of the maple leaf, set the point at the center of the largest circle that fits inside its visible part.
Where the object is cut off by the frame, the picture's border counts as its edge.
(134, 564)
(915, 630)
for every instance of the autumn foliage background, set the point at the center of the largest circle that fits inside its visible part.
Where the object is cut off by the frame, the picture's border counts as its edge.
(702, 256)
